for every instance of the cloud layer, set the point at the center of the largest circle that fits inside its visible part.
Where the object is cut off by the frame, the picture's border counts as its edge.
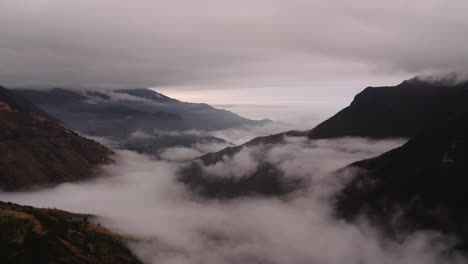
(140, 197)
(226, 43)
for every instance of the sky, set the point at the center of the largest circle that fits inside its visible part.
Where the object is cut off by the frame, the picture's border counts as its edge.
(287, 60)
(231, 52)
(289, 103)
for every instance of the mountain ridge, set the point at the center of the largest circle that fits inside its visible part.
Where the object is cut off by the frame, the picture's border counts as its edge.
(36, 151)
(99, 112)
(421, 185)
(435, 104)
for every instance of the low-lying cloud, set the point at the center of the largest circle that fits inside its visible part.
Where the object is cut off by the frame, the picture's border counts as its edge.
(141, 197)
(240, 165)
(300, 157)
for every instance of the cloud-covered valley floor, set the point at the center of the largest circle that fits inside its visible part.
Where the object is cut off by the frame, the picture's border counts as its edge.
(141, 197)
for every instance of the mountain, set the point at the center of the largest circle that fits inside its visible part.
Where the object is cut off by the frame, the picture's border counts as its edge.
(33, 235)
(120, 113)
(154, 144)
(266, 180)
(422, 185)
(36, 150)
(10, 100)
(413, 108)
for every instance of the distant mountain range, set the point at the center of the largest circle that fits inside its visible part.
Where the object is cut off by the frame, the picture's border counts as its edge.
(36, 150)
(118, 114)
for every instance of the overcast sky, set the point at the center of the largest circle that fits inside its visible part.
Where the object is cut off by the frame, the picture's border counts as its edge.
(327, 48)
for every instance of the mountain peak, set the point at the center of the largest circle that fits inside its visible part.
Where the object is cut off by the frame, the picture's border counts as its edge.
(415, 107)
(450, 79)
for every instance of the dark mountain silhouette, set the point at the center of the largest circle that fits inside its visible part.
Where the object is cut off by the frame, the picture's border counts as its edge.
(119, 113)
(413, 108)
(35, 150)
(31, 235)
(421, 185)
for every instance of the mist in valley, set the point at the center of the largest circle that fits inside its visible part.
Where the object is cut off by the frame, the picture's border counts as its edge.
(234, 132)
(165, 222)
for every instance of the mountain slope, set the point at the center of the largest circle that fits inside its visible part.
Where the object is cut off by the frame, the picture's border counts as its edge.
(421, 185)
(91, 112)
(266, 180)
(118, 114)
(19, 103)
(35, 150)
(410, 109)
(33, 235)
(413, 108)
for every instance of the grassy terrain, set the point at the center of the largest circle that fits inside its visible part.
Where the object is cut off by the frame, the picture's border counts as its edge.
(33, 235)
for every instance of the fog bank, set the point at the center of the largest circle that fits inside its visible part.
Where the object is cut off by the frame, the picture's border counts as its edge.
(140, 196)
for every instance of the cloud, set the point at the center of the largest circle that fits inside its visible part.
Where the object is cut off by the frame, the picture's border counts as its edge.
(240, 165)
(298, 157)
(138, 134)
(241, 135)
(226, 43)
(140, 196)
(115, 96)
(180, 154)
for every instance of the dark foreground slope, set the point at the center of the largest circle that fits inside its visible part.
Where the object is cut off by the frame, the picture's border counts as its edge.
(35, 150)
(411, 109)
(421, 185)
(33, 235)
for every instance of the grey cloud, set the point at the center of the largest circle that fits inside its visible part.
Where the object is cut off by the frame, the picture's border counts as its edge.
(176, 43)
(141, 198)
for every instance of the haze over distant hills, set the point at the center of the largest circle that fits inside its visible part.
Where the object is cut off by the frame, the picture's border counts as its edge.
(135, 117)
